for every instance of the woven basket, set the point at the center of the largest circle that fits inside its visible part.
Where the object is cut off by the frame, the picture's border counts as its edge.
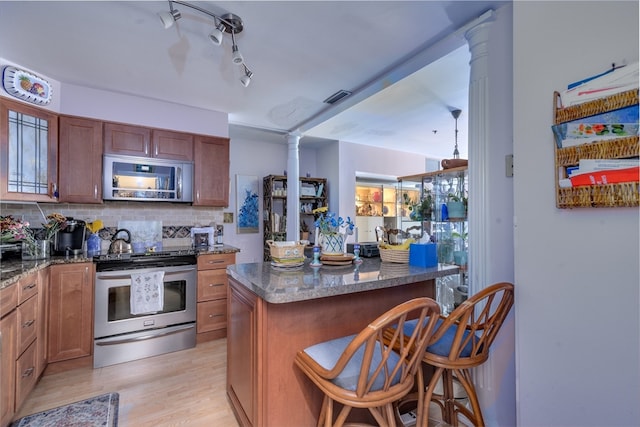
(286, 250)
(596, 106)
(393, 255)
(588, 196)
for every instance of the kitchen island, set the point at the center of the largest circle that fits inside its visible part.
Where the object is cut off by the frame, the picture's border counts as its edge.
(273, 313)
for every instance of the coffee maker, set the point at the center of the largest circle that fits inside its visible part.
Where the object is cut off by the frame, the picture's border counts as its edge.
(70, 238)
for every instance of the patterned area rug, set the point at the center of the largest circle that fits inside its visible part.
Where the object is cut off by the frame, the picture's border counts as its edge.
(93, 412)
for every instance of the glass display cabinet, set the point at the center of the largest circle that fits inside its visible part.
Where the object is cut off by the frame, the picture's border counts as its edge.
(435, 203)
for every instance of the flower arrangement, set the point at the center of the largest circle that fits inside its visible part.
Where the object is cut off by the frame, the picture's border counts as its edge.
(329, 224)
(55, 223)
(13, 230)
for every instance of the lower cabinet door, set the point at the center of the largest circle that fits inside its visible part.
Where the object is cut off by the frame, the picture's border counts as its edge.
(212, 315)
(26, 374)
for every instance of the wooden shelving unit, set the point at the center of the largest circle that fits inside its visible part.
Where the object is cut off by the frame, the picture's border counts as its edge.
(275, 206)
(593, 196)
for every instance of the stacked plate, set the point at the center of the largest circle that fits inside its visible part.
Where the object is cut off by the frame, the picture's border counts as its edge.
(344, 259)
(287, 262)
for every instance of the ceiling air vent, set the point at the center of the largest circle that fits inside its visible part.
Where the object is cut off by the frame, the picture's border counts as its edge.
(337, 96)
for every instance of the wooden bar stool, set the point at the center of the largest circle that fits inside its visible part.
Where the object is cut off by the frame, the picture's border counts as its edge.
(460, 342)
(360, 371)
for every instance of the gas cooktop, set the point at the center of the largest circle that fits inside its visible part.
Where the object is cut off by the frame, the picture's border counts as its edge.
(166, 253)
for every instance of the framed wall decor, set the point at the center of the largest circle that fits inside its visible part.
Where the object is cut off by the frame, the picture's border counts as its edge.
(247, 204)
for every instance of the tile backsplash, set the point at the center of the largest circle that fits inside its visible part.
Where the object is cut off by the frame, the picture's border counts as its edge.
(177, 219)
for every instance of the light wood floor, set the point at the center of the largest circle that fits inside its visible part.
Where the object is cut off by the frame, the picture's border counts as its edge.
(185, 388)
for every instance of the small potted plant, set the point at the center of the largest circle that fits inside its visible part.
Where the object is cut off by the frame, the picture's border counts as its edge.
(456, 206)
(304, 230)
(460, 256)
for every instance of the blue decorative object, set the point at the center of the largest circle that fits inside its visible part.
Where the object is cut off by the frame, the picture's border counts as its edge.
(248, 207)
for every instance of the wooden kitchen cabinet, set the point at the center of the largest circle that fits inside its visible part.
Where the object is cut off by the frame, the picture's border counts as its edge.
(141, 141)
(19, 328)
(211, 169)
(127, 139)
(70, 311)
(211, 322)
(80, 147)
(8, 350)
(172, 145)
(43, 315)
(21, 177)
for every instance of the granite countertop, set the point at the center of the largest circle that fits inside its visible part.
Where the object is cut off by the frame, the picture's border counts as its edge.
(12, 270)
(276, 285)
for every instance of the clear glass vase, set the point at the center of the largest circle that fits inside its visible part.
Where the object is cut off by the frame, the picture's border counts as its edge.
(36, 249)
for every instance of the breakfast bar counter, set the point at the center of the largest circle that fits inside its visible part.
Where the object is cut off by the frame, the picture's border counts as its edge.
(273, 313)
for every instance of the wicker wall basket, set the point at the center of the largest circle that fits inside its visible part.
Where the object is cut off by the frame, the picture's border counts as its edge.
(392, 255)
(284, 251)
(623, 194)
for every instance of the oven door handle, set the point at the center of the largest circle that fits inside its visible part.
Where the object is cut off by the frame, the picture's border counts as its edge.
(128, 276)
(147, 337)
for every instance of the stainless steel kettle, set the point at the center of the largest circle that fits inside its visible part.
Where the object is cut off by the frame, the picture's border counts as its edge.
(120, 246)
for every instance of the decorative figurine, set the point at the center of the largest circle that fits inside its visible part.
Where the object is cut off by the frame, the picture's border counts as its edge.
(356, 252)
(316, 257)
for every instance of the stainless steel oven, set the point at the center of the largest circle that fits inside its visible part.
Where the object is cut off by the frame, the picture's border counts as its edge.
(119, 335)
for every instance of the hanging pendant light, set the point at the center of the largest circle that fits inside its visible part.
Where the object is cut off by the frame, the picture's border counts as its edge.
(456, 114)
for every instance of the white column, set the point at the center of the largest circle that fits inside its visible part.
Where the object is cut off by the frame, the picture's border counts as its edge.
(293, 187)
(477, 38)
(490, 222)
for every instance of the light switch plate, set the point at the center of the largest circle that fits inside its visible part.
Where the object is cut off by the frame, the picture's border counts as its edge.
(509, 165)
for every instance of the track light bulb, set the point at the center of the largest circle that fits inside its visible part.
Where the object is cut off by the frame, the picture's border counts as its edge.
(246, 79)
(169, 17)
(217, 34)
(237, 56)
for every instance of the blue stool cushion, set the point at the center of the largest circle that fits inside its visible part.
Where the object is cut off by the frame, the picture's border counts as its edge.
(327, 353)
(442, 347)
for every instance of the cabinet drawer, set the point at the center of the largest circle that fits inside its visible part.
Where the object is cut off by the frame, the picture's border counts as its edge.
(27, 323)
(212, 315)
(27, 287)
(213, 261)
(212, 284)
(8, 299)
(25, 374)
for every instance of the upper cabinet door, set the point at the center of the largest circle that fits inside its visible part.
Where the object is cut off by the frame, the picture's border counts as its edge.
(80, 160)
(126, 139)
(211, 171)
(172, 145)
(28, 153)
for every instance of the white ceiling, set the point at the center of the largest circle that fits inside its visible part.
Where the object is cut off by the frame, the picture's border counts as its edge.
(300, 52)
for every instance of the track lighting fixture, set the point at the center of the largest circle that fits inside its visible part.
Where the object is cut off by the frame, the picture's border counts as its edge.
(168, 18)
(227, 23)
(246, 79)
(456, 113)
(236, 56)
(217, 34)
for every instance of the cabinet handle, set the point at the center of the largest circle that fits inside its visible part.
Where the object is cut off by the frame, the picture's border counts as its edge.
(211, 285)
(215, 261)
(31, 286)
(156, 149)
(211, 316)
(95, 191)
(28, 323)
(28, 372)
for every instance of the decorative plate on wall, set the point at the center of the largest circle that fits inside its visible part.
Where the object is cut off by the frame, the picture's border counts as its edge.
(26, 86)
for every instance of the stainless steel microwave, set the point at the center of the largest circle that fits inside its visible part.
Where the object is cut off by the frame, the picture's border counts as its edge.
(146, 179)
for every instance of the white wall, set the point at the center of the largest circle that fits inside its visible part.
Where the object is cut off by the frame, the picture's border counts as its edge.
(577, 271)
